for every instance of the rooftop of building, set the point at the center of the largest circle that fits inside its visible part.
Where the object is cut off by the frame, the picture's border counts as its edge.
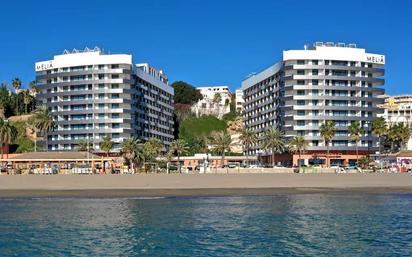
(328, 44)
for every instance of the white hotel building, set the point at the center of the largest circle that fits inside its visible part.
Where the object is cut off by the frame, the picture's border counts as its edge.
(92, 94)
(307, 87)
(208, 105)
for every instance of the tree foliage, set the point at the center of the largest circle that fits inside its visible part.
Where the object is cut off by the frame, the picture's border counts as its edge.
(185, 93)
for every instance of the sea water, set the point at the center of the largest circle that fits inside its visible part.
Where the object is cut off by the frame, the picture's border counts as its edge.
(324, 224)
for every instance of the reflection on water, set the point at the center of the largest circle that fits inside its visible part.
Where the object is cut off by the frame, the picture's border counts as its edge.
(282, 225)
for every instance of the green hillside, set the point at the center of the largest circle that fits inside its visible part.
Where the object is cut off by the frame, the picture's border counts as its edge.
(198, 127)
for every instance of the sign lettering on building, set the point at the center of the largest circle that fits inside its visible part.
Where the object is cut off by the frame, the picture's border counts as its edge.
(40, 66)
(375, 58)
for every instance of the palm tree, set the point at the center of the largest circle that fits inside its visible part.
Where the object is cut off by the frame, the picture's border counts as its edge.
(248, 138)
(152, 149)
(106, 145)
(327, 131)
(379, 128)
(132, 152)
(179, 147)
(221, 142)
(298, 145)
(8, 134)
(393, 136)
(4, 99)
(404, 134)
(27, 99)
(84, 146)
(273, 141)
(43, 122)
(355, 132)
(33, 88)
(17, 85)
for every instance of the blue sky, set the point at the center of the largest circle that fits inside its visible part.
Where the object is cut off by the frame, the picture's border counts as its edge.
(214, 42)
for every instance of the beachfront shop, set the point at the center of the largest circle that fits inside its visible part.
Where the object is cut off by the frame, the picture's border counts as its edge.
(316, 159)
(47, 163)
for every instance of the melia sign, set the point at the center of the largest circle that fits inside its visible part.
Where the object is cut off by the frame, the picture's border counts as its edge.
(375, 58)
(40, 66)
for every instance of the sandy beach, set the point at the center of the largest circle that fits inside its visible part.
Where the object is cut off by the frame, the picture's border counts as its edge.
(197, 185)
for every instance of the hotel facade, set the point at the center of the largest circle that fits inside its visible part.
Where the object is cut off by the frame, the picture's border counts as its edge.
(328, 81)
(92, 94)
(398, 109)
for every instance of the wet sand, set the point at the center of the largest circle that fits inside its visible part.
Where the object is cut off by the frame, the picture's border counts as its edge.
(198, 185)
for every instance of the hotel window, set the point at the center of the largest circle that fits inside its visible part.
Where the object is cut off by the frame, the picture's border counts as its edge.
(314, 72)
(315, 123)
(315, 82)
(315, 113)
(300, 123)
(300, 92)
(101, 76)
(315, 102)
(315, 143)
(300, 102)
(300, 133)
(100, 115)
(115, 86)
(301, 62)
(341, 133)
(315, 62)
(315, 92)
(115, 115)
(301, 72)
(101, 106)
(101, 67)
(115, 125)
(339, 143)
(115, 66)
(115, 106)
(301, 82)
(301, 113)
(115, 76)
(101, 86)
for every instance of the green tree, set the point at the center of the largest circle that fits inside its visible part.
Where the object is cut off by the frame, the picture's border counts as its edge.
(327, 132)
(179, 147)
(8, 134)
(379, 129)
(84, 146)
(33, 88)
(42, 122)
(27, 100)
(132, 152)
(152, 149)
(185, 93)
(217, 98)
(404, 134)
(355, 132)
(106, 145)
(221, 143)
(17, 85)
(248, 138)
(298, 145)
(4, 100)
(274, 142)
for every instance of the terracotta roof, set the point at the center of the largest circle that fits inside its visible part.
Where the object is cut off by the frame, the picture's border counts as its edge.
(55, 156)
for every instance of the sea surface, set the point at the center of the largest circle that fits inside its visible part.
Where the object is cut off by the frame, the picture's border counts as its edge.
(327, 224)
